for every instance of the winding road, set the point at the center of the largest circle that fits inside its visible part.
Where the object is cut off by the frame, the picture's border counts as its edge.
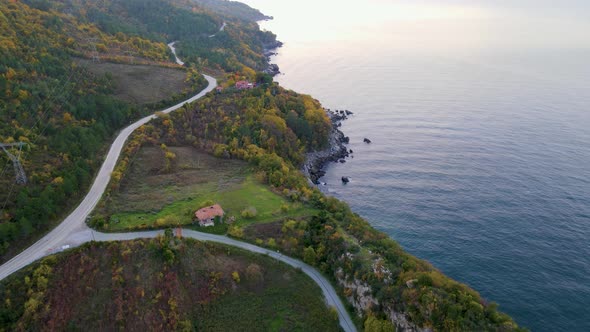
(73, 231)
(330, 294)
(220, 29)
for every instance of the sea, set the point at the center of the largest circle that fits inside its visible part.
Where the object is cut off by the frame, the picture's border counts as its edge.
(478, 114)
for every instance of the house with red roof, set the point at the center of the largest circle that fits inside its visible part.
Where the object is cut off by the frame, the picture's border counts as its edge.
(206, 216)
(243, 85)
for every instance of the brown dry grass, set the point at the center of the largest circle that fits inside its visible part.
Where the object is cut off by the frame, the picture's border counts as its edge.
(148, 187)
(140, 84)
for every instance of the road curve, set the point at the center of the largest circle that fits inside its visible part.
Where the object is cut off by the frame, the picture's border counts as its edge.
(330, 294)
(73, 231)
(220, 30)
(75, 222)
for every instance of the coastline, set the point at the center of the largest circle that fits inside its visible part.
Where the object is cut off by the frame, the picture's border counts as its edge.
(315, 161)
(387, 281)
(269, 50)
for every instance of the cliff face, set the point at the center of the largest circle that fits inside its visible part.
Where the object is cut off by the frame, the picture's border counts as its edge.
(360, 295)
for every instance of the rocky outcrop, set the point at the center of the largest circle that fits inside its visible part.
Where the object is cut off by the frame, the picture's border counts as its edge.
(272, 69)
(315, 161)
(269, 50)
(401, 322)
(360, 295)
(357, 292)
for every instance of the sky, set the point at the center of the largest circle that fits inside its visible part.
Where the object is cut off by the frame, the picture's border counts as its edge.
(531, 23)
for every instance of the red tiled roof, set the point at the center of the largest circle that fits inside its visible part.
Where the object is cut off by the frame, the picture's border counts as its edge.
(209, 212)
(243, 85)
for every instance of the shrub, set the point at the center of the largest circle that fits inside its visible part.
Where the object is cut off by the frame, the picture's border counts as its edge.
(254, 273)
(249, 212)
(235, 231)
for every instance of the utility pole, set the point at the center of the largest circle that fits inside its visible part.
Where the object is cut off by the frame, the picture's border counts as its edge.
(21, 177)
(94, 54)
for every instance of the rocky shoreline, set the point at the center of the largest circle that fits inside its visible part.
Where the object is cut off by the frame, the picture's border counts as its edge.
(337, 150)
(313, 168)
(269, 50)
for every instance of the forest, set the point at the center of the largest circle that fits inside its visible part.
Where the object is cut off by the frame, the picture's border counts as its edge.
(65, 114)
(232, 10)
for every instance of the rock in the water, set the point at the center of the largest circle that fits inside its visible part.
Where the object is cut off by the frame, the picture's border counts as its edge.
(350, 151)
(342, 161)
(272, 69)
(345, 179)
(366, 140)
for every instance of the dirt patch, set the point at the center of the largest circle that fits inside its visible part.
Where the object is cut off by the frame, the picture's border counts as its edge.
(149, 187)
(140, 84)
(264, 231)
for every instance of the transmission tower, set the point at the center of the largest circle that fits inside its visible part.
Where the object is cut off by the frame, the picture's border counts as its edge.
(94, 54)
(21, 177)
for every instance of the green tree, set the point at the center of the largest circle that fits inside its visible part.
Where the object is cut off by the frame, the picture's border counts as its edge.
(309, 256)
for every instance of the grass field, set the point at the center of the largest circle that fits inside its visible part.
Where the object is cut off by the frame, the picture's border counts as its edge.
(133, 286)
(150, 198)
(140, 84)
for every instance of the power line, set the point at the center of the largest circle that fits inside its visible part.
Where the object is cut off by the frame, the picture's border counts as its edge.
(52, 98)
(94, 53)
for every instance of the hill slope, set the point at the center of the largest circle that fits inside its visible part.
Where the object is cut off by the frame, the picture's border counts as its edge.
(66, 112)
(162, 284)
(382, 283)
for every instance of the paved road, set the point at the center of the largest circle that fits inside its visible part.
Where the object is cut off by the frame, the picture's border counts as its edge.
(75, 222)
(220, 29)
(73, 231)
(173, 49)
(330, 294)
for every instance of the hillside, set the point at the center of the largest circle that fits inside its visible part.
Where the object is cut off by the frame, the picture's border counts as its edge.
(232, 9)
(380, 281)
(72, 73)
(265, 132)
(162, 284)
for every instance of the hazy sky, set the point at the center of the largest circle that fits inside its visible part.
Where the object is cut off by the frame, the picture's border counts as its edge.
(500, 23)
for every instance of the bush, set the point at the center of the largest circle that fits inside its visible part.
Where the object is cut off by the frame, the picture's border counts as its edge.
(235, 231)
(249, 212)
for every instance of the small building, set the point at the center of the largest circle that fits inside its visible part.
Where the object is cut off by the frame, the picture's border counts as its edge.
(206, 216)
(219, 89)
(244, 85)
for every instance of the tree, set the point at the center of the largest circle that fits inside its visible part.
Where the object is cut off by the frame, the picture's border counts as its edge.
(309, 255)
(374, 324)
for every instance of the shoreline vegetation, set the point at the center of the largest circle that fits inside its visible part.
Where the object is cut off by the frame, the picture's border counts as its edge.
(273, 129)
(383, 285)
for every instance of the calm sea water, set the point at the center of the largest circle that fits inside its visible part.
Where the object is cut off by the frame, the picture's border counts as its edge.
(480, 122)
